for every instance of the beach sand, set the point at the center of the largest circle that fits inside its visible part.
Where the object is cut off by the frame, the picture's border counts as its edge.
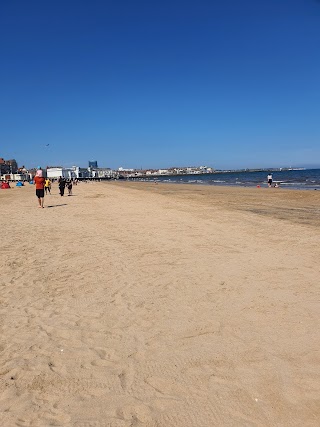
(159, 305)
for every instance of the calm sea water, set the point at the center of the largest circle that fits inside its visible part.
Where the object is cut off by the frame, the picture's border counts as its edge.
(295, 179)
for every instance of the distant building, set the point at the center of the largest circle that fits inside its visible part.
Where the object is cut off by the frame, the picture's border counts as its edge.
(73, 172)
(121, 169)
(102, 173)
(15, 177)
(13, 165)
(93, 164)
(8, 166)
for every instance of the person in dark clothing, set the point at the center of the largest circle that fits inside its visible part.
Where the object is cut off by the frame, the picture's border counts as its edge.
(69, 186)
(62, 185)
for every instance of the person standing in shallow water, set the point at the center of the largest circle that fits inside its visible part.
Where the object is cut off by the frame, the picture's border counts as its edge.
(39, 182)
(62, 185)
(269, 179)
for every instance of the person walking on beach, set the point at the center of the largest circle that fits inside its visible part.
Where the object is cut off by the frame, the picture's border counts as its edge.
(69, 185)
(39, 182)
(269, 179)
(47, 186)
(62, 185)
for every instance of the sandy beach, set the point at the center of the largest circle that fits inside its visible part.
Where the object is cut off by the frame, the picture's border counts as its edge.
(160, 305)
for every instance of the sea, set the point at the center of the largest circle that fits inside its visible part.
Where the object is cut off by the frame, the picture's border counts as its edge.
(307, 179)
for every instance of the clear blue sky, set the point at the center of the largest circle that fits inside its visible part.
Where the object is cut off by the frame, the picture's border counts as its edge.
(160, 83)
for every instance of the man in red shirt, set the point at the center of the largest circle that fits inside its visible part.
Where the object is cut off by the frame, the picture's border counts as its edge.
(39, 182)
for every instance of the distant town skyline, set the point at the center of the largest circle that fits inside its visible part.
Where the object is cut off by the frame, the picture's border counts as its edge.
(93, 164)
(102, 164)
(155, 85)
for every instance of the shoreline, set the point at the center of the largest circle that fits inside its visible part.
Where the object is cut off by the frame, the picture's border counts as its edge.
(282, 185)
(308, 179)
(264, 185)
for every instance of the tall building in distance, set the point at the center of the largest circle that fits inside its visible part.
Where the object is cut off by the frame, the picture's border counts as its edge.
(93, 164)
(8, 166)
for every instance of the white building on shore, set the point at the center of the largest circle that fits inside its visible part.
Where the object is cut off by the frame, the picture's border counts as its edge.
(102, 173)
(16, 177)
(75, 172)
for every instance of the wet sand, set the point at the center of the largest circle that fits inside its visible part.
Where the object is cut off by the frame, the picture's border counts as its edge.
(160, 305)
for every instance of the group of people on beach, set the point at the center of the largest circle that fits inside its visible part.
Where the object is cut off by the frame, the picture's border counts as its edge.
(63, 183)
(43, 186)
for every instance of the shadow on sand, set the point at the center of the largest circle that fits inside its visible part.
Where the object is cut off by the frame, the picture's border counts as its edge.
(56, 206)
